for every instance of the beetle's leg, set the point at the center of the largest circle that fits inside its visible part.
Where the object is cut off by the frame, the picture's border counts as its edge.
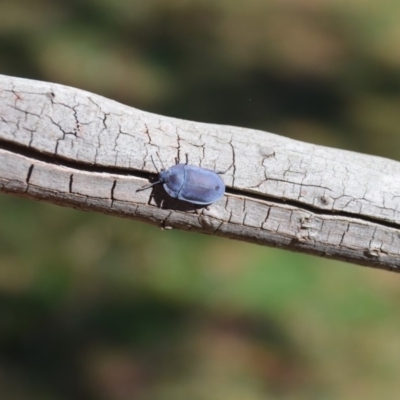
(224, 172)
(187, 159)
(151, 197)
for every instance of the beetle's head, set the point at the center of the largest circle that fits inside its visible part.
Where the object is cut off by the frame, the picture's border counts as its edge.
(163, 175)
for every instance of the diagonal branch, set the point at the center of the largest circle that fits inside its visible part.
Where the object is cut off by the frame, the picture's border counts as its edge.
(77, 149)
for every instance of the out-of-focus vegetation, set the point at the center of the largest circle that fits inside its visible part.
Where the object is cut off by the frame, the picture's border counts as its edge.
(96, 308)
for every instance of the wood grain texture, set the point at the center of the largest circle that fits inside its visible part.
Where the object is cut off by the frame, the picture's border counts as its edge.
(77, 149)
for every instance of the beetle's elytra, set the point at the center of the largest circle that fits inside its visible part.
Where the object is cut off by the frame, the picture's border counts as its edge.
(189, 183)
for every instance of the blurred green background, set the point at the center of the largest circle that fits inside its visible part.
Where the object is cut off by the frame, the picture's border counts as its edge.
(99, 308)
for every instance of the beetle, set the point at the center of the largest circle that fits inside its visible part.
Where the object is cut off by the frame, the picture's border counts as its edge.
(189, 183)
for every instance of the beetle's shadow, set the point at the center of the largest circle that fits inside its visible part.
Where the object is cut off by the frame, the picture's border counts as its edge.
(163, 200)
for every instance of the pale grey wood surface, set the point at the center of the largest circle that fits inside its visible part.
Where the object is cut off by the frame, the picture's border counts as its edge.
(78, 149)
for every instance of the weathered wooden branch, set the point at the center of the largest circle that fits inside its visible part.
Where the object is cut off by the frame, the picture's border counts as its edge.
(77, 149)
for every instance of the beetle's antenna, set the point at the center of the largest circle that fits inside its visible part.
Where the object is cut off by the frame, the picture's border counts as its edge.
(155, 166)
(147, 186)
(162, 164)
(154, 183)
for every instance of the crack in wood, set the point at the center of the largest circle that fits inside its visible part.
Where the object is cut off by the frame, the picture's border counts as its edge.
(80, 166)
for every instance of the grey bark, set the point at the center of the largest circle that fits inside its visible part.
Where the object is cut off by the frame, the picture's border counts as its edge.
(81, 150)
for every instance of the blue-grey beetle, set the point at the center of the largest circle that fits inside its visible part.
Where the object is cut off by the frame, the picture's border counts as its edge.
(189, 183)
